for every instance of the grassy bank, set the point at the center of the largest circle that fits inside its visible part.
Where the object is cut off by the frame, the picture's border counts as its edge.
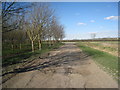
(107, 61)
(108, 47)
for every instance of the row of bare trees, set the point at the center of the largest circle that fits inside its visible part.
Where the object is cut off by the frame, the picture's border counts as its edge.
(30, 21)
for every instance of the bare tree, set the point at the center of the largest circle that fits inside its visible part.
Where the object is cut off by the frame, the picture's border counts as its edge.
(41, 16)
(32, 34)
(93, 35)
(57, 29)
(10, 13)
(61, 33)
(39, 24)
(10, 37)
(21, 37)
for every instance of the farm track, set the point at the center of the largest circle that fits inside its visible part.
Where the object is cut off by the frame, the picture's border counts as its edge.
(10, 74)
(66, 67)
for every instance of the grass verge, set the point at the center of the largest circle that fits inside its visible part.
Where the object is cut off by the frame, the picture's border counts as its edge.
(106, 61)
(19, 57)
(20, 60)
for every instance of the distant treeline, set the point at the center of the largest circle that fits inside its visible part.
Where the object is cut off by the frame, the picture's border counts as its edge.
(99, 39)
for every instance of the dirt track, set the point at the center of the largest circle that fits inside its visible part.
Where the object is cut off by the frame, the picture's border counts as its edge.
(66, 67)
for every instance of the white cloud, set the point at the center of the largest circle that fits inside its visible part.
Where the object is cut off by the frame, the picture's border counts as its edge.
(111, 18)
(80, 23)
(92, 21)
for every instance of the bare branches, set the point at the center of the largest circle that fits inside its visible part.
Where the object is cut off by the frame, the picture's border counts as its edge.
(57, 29)
(40, 18)
(11, 11)
(39, 24)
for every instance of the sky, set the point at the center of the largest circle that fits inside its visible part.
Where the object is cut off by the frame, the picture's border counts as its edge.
(81, 19)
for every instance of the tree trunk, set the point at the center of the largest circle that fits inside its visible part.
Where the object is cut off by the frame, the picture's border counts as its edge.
(32, 46)
(12, 46)
(20, 46)
(50, 42)
(39, 44)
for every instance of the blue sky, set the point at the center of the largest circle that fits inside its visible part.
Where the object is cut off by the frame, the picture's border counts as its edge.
(83, 18)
